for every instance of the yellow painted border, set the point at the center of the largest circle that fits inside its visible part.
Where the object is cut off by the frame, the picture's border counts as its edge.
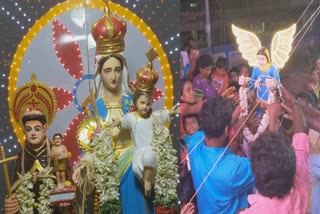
(74, 4)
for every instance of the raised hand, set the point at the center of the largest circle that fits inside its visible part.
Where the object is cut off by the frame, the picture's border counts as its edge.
(271, 83)
(228, 93)
(275, 111)
(287, 96)
(293, 111)
(194, 55)
(187, 209)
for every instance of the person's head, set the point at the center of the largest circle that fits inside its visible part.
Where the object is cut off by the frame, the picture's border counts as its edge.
(112, 74)
(244, 70)
(215, 117)
(190, 41)
(187, 92)
(34, 127)
(57, 139)
(263, 57)
(143, 102)
(190, 124)
(205, 66)
(233, 74)
(273, 163)
(221, 66)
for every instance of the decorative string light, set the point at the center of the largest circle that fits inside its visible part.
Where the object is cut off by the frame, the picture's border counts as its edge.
(18, 22)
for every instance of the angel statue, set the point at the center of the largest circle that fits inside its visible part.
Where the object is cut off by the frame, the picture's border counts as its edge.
(265, 73)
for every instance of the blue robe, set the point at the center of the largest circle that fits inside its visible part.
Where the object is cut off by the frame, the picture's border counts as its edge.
(226, 188)
(263, 91)
(131, 190)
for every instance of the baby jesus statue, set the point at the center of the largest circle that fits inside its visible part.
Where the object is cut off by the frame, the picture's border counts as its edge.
(59, 155)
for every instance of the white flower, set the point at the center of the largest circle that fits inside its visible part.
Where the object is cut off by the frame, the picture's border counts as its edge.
(105, 165)
(167, 170)
(25, 196)
(244, 107)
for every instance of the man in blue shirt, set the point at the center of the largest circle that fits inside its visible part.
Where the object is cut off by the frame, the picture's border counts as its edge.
(226, 188)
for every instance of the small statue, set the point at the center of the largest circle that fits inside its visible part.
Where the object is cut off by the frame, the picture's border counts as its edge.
(141, 122)
(265, 74)
(59, 155)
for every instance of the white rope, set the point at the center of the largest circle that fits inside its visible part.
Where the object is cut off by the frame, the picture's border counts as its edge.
(305, 11)
(313, 17)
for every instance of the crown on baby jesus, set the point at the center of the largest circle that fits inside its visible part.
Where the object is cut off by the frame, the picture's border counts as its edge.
(147, 77)
(109, 32)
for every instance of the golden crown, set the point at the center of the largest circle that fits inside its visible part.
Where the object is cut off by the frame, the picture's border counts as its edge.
(109, 32)
(32, 96)
(147, 77)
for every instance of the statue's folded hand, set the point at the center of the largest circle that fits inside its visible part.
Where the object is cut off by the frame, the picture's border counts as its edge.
(11, 205)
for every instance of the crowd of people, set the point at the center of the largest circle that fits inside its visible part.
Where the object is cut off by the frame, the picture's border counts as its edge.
(221, 170)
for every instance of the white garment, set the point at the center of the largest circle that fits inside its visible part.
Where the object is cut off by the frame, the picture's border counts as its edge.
(142, 135)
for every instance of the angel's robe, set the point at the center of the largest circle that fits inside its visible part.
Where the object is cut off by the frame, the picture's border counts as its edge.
(262, 90)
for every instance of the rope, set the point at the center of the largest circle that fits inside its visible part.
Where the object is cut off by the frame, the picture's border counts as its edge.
(316, 13)
(305, 11)
(305, 24)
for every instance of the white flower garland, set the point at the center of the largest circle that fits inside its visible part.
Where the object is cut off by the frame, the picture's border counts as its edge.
(25, 196)
(262, 127)
(105, 165)
(44, 198)
(243, 94)
(166, 178)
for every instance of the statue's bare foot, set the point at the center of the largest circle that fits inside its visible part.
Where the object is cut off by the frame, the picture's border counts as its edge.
(148, 177)
(147, 188)
(60, 186)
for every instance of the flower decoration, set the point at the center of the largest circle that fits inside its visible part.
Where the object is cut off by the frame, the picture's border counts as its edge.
(105, 166)
(243, 94)
(166, 178)
(87, 131)
(23, 189)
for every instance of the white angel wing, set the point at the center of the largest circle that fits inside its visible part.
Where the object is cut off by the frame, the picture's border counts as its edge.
(281, 46)
(249, 44)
